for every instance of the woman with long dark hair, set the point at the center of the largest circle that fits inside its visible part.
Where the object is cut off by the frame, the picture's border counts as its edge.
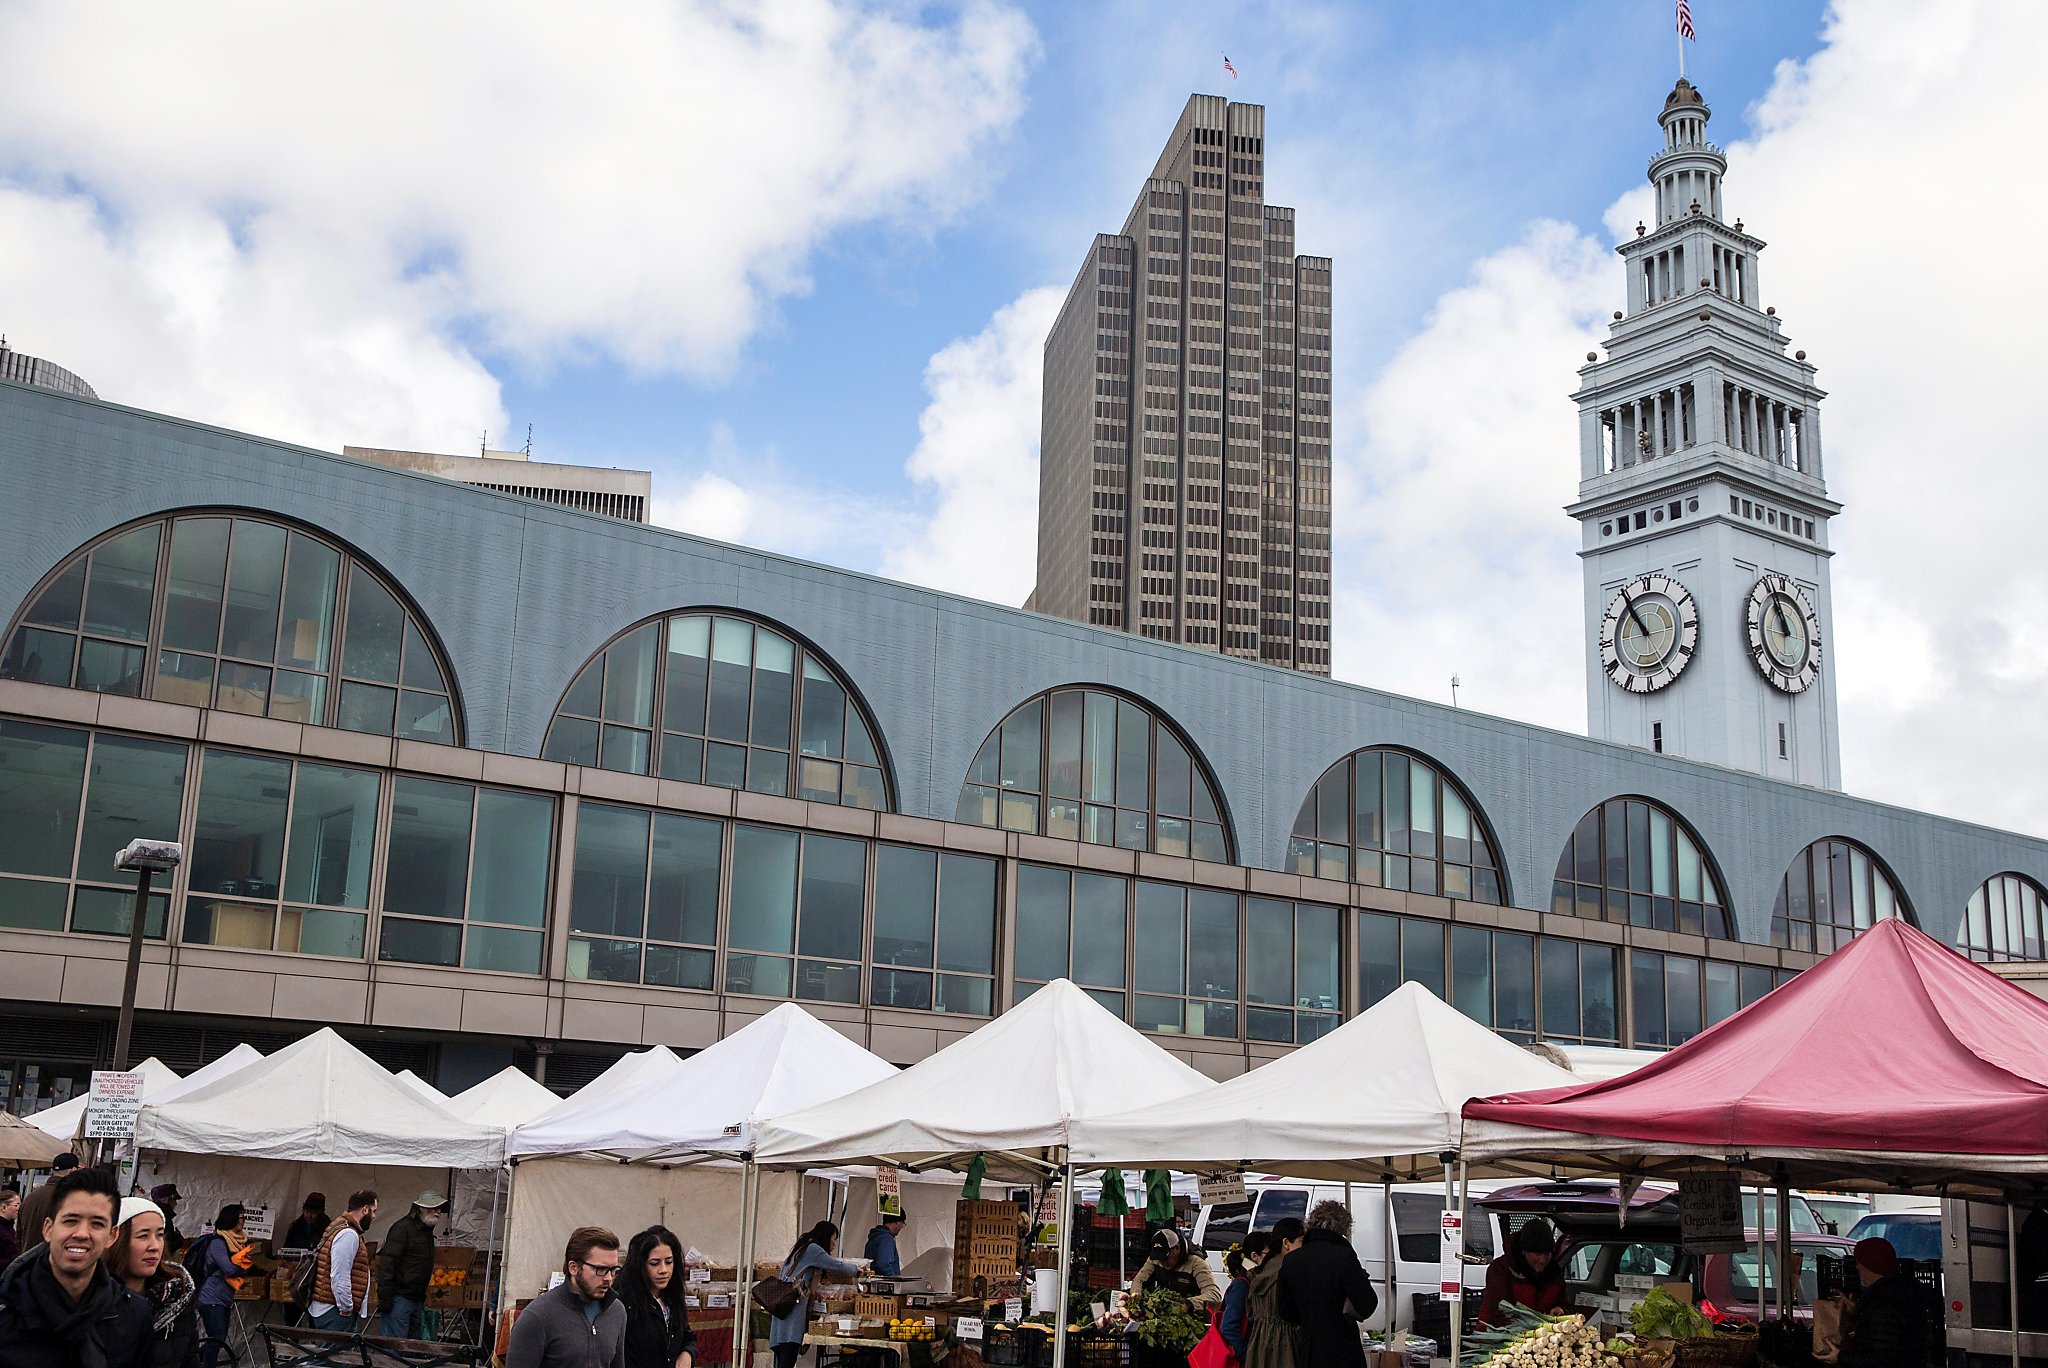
(137, 1259)
(658, 1333)
(810, 1257)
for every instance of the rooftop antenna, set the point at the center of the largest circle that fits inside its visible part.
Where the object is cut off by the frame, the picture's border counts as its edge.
(483, 448)
(1454, 691)
(529, 441)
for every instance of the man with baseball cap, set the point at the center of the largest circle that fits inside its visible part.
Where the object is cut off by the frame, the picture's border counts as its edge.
(1897, 1321)
(405, 1265)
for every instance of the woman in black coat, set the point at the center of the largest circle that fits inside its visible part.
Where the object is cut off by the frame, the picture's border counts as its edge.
(137, 1259)
(1324, 1290)
(658, 1333)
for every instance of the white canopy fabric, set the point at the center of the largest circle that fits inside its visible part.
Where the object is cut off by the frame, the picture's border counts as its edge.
(1013, 1090)
(62, 1120)
(1377, 1099)
(319, 1100)
(683, 1109)
(422, 1087)
(506, 1099)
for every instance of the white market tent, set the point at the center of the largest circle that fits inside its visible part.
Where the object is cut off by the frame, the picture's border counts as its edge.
(1014, 1091)
(506, 1099)
(422, 1087)
(1376, 1100)
(63, 1120)
(320, 1098)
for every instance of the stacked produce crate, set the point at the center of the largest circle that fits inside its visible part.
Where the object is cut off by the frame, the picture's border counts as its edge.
(985, 1236)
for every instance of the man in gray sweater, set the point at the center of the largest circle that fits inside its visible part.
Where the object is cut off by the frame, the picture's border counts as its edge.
(579, 1324)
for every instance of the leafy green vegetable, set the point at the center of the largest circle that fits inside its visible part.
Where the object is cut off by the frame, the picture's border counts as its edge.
(1169, 1321)
(1662, 1316)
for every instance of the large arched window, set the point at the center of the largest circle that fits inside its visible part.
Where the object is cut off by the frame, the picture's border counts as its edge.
(1834, 889)
(239, 613)
(2003, 920)
(716, 698)
(1389, 819)
(1636, 861)
(1089, 765)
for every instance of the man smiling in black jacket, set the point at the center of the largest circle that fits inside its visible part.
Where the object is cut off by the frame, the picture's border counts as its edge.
(59, 1306)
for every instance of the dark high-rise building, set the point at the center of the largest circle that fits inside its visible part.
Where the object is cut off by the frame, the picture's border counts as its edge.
(1184, 459)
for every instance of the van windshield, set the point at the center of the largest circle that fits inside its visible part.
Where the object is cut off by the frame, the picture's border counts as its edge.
(1804, 1222)
(1417, 1228)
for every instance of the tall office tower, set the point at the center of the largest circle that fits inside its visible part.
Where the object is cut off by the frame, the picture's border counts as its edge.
(1184, 459)
(1709, 613)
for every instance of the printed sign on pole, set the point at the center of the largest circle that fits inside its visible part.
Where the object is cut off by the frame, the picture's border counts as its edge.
(1710, 1214)
(1451, 1267)
(113, 1104)
(1221, 1189)
(888, 1190)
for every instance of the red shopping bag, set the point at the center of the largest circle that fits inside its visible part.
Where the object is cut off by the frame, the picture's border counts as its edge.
(1212, 1352)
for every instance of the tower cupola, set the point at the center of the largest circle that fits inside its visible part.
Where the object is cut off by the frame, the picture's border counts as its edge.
(1688, 172)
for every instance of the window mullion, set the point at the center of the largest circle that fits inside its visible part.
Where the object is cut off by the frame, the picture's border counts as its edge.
(337, 639)
(659, 704)
(284, 856)
(152, 639)
(647, 888)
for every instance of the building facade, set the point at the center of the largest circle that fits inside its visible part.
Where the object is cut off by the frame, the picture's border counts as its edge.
(589, 489)
(1184, 453)
(24, 369)
(479, 780)
(1702, 497)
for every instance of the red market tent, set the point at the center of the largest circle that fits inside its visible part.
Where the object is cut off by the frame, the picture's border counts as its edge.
(1893, 1064)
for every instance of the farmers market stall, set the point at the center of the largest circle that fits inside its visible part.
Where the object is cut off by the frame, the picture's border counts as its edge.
(506, 1099)
(1005, 1101)
(1893, 1065)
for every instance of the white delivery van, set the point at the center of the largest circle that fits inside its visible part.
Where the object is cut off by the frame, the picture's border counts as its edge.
(1417, 1209)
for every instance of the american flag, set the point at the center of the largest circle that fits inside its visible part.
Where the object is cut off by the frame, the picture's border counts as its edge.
(1684, 21)
(1233, 70)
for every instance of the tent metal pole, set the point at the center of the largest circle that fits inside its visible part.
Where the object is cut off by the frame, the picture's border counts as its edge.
(1458, 1297)
(1784, 1248)
(743, 1308)
(1762, 1280)
(1066, 1258)
(1387, 1216)
(483, 1321)
(2012, 1276)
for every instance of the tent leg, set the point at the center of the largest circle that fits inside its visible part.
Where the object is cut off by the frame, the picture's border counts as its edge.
(2012, 1277)
(1784, 1279)
(1458, 1298)
(1762, 1278)
(1393, 1287)
(497, 1242)
(1066, 1258)
(743, 1309)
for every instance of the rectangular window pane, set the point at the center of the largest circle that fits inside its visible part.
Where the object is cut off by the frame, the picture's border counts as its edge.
(1472, 972)
(255, 590)
(192, 599)
(1159, 942)
(1175, 771)
(1099, 930)
(45, 774)
(514, 861)
(629, 678)
(1421, 810)
(732, 654)
(1212, 945)
(1599, 971)
(122, 585)
(111, 912)
(682, 757)
(1162, 1014)
(622, 749)
(835, 882)
(774, 689)
(1514, 983)
(610, 877)
(298, 697)
(682, 903)
(898, 988)
(1662, 859)
(1756, 981)
(1379, 956)
(725, 766)
(322, 931)
(1366, 798)
(29, 905)
(238, 840)
(1682, 997)
(967, 914)
(230, 925)
(970, 996)
(41, 657)
(428, 863)
(502, 950)
(827, 981)
(333, 836)
(1723, 998)
(1020, 746)
(824, 713)
(104, 667)
(1133, 756)
(763, 975)
(689, 674)
(1098, 759)
(1422, 954)
(57, 606)
(420, 670)
(364, 708)
(1063, 745)
(764, 894)
(312, 575)
(1395, 768)
(1269, 955)
(1318, 958)
(1042, 922)
(1647, 977)
(906, 894)
(374, 631)
(1561, 1019)
(604, 961)
(672, 966)
(573, 741)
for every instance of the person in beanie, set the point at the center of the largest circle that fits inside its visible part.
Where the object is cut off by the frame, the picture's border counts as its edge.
(59, 1306)
(166, 1196)
(581, 1323)
(305, 1232)
(139, 1259)
(405, 1264)
(1324, 1290)
(1897, 1322)
(1527, 1273)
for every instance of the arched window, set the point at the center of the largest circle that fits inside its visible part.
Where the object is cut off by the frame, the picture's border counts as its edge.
(2003, 920)
(1834, 889)
(1388, 819)
(1632, 860)
(716, 698)
(239, 613)
(1089, 765)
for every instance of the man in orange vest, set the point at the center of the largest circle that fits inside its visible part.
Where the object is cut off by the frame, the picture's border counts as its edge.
(341, 1278)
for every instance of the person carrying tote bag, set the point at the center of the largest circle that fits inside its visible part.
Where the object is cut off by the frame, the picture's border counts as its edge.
(811, 1256)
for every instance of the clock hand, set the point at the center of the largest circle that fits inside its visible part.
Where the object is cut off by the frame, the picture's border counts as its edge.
(1784, 623)
(1629, 605)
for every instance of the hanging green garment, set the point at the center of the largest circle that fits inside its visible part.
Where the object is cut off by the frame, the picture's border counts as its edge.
(970, 1191)
(1158, 1195)
(1113, 1201)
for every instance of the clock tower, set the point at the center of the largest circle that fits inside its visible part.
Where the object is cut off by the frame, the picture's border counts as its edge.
(1710, 628)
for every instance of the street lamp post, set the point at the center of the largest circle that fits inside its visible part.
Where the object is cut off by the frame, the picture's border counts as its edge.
(145, 859)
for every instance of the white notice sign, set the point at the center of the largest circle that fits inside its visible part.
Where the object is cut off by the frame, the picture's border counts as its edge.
(1451, 1269)
(112, 1104)
(1013, 1310)
(967, 1327)
(258, 1223)
(1221, 1189)
(1710, 1215)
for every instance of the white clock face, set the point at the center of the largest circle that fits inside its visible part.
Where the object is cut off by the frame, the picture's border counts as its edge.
(1784, 634)
(1649, 633)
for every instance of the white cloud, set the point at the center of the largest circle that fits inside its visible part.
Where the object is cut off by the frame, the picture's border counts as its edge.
(302, 218)
(978, 453)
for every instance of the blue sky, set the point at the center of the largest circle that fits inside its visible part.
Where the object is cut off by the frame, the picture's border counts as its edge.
(798, 257)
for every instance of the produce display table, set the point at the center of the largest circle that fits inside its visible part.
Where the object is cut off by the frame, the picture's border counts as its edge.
(900, 1348)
